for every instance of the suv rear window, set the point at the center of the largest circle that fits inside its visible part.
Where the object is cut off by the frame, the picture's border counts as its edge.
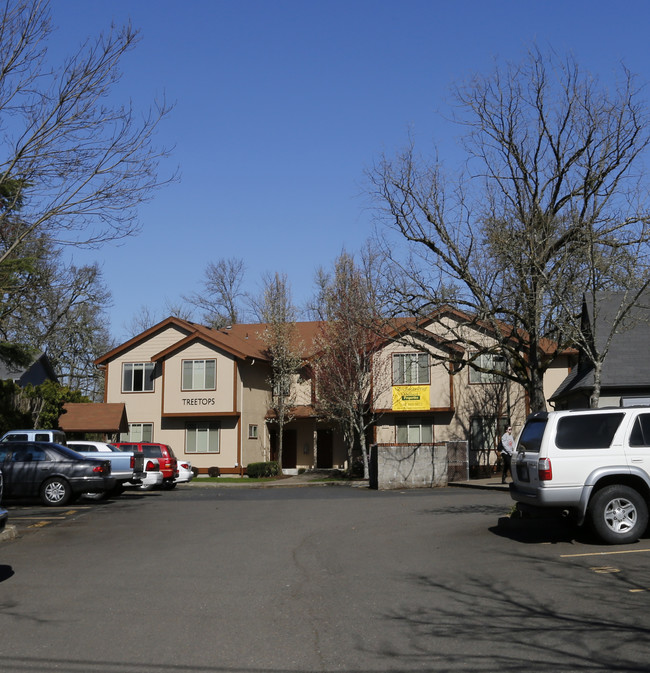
(591, 431)
(152, 451)
(531, 436)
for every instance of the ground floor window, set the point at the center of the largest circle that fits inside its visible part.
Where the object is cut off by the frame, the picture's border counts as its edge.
(414, 431)
(138, 432)
(201, 437)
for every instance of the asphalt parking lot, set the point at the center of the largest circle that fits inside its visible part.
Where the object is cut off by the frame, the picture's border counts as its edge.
(317, 579)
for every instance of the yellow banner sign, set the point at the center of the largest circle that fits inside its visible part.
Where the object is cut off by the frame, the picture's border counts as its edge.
(411, 398)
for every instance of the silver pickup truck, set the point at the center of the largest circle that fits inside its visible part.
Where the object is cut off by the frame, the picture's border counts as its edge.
(126, 467)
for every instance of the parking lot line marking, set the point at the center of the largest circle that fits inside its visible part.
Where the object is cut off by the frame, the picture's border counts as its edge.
(40, 524)
(40, 518)
(606, 553)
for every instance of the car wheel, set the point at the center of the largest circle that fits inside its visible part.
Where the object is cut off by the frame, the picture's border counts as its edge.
(619, 514)
(55, 491)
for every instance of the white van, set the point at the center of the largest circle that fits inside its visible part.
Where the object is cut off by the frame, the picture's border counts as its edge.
(53, 436)
(593, 464)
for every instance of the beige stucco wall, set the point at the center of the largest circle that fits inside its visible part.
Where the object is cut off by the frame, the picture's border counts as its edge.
(221, 399)
(439, 379)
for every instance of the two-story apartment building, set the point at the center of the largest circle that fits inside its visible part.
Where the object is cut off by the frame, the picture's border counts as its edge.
(207, 393)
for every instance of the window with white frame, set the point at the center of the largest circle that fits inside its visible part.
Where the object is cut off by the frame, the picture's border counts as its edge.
(410, 369)
(281, 386)
(488, 361)
(138, 432)
(199, 374)
(414, 431)
(252, 432)
(202, 437)
(137, 377)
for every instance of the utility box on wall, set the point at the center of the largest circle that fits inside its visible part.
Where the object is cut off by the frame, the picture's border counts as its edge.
(400, 466)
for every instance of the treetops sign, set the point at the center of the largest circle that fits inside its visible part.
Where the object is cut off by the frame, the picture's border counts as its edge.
(411, 398)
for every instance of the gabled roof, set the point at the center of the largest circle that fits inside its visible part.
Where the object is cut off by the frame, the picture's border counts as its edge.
(627, 363)
(240, 340)
(183, 325)
(93, 417)
(39, 371)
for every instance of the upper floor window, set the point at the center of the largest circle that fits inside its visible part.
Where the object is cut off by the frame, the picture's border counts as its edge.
(488, 361)
(410, 369)
(281, 386)
(199, 374)
(137, 377)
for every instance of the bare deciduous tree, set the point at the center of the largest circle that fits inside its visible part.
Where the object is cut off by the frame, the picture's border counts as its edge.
(220, 301)
(347, 376)
(284, 349)
(75, 165)
(552, 190)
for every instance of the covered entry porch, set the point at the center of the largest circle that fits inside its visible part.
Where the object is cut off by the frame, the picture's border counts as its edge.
(307, 444)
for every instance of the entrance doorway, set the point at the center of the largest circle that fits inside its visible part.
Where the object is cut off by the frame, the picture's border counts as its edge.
(289, 448)
(324, 449)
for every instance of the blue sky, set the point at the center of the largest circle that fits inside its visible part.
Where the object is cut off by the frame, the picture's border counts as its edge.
(280, 107)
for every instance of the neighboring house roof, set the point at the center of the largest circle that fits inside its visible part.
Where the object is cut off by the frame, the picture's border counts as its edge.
(39, 371)
(93, 417)
(627, 363)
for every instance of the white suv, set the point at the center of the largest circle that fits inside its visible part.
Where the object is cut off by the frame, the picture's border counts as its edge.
(593, 464)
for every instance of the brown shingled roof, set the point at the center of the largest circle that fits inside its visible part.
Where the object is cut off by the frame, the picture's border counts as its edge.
(94, 417)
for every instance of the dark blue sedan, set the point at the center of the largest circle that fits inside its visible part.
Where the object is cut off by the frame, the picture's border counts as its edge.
(52, 472)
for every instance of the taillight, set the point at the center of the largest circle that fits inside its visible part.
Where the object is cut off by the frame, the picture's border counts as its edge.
(150, 466)
(99, 469)
(185, 466)
(132, 463)
(544, 469)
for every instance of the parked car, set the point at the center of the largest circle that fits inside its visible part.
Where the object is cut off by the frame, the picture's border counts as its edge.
(153, 476)
(52, 472)
(164, 454)
(185, 474)
(126, 467)
(56, 436)
(592, 464)
(4, 515)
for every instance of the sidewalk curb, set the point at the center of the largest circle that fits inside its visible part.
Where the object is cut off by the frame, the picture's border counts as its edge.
(480, 485)
(9, 533)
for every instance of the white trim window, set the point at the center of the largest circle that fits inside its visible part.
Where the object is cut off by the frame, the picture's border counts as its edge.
(199, 375)
(137, 377)
(410, 369)
(202, 437)
(138, 432)
(414, 431)
(252, 431)
(492, 361)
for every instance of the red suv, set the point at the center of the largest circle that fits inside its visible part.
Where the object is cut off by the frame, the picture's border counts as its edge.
(162, 452)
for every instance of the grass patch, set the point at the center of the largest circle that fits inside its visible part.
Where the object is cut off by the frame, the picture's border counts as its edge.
(235, 480)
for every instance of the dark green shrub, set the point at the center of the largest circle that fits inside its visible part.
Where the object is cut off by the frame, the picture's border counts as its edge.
(214, 472)
(267, 469)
